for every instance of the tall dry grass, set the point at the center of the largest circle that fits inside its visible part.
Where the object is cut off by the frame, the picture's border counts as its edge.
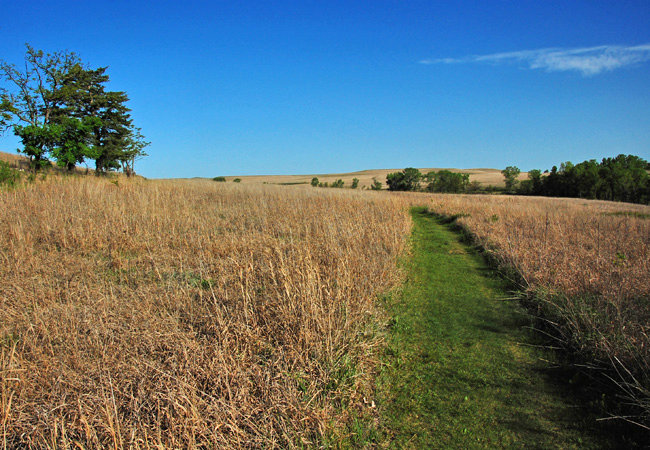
(183, 314)
(585, 263)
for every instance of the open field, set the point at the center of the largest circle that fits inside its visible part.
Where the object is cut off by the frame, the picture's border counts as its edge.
(186, 313)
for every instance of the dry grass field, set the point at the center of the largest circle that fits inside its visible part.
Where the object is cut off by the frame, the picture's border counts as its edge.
(182, 314)
(193, 313)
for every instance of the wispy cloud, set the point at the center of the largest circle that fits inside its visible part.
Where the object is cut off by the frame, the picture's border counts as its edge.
(588, 60)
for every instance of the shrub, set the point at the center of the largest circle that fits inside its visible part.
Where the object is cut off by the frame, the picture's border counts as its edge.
(237, 180)
(355, 183)
(376, 185)
(222, 179)
(8, 175)
(338, 183)
(314, 182)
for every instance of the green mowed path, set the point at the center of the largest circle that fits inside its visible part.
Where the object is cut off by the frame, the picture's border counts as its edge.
(462, 368)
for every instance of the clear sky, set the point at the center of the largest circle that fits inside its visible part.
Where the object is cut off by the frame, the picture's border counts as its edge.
(241, 87)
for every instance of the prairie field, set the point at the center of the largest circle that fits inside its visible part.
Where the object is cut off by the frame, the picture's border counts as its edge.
(181, 314)
(192, 313)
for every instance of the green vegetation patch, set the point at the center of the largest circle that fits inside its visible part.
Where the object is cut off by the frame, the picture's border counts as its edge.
(636, 214)
(461, 368)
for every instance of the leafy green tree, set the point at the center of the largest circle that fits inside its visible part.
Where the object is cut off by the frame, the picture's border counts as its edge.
(355, 183)
(134, 150)
(30, 103)
(72, 142)
(314, 182)
(535, 177)
(510, 175)
(83, 95)
(60, 108)
(406, 180)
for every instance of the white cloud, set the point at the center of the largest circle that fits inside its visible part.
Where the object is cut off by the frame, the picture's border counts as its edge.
(588, 61)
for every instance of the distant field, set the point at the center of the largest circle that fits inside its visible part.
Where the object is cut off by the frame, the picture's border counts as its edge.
(484, 176)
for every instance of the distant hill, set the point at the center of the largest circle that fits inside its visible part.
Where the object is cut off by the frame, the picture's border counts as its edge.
(484, 176)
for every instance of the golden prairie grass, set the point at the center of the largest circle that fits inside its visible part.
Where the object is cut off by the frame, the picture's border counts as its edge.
(182, 314)
(194, 313)
(587, 263)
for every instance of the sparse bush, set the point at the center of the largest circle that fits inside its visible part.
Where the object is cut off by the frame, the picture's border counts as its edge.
(8, 175)
(338, 183)
(221, 179)
(474, 187)
(376, 185)
(355, 183)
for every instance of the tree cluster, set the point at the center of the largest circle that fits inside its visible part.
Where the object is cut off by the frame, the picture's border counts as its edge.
(624, 178)
(61, 109)
(406, 180)
(410, 179)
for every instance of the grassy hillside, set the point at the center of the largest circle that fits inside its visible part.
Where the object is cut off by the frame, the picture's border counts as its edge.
(484, 176)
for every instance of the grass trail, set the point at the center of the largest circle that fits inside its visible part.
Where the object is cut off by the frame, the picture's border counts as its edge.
(462, 369)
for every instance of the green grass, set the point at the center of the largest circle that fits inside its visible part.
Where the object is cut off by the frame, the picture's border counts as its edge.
(636, 214)
(462, 369)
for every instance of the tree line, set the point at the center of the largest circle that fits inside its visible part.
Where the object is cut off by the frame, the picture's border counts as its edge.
(411, 179)
(623, 178)
(61, 109)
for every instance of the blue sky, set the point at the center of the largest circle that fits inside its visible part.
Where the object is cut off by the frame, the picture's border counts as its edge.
(242, 88)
